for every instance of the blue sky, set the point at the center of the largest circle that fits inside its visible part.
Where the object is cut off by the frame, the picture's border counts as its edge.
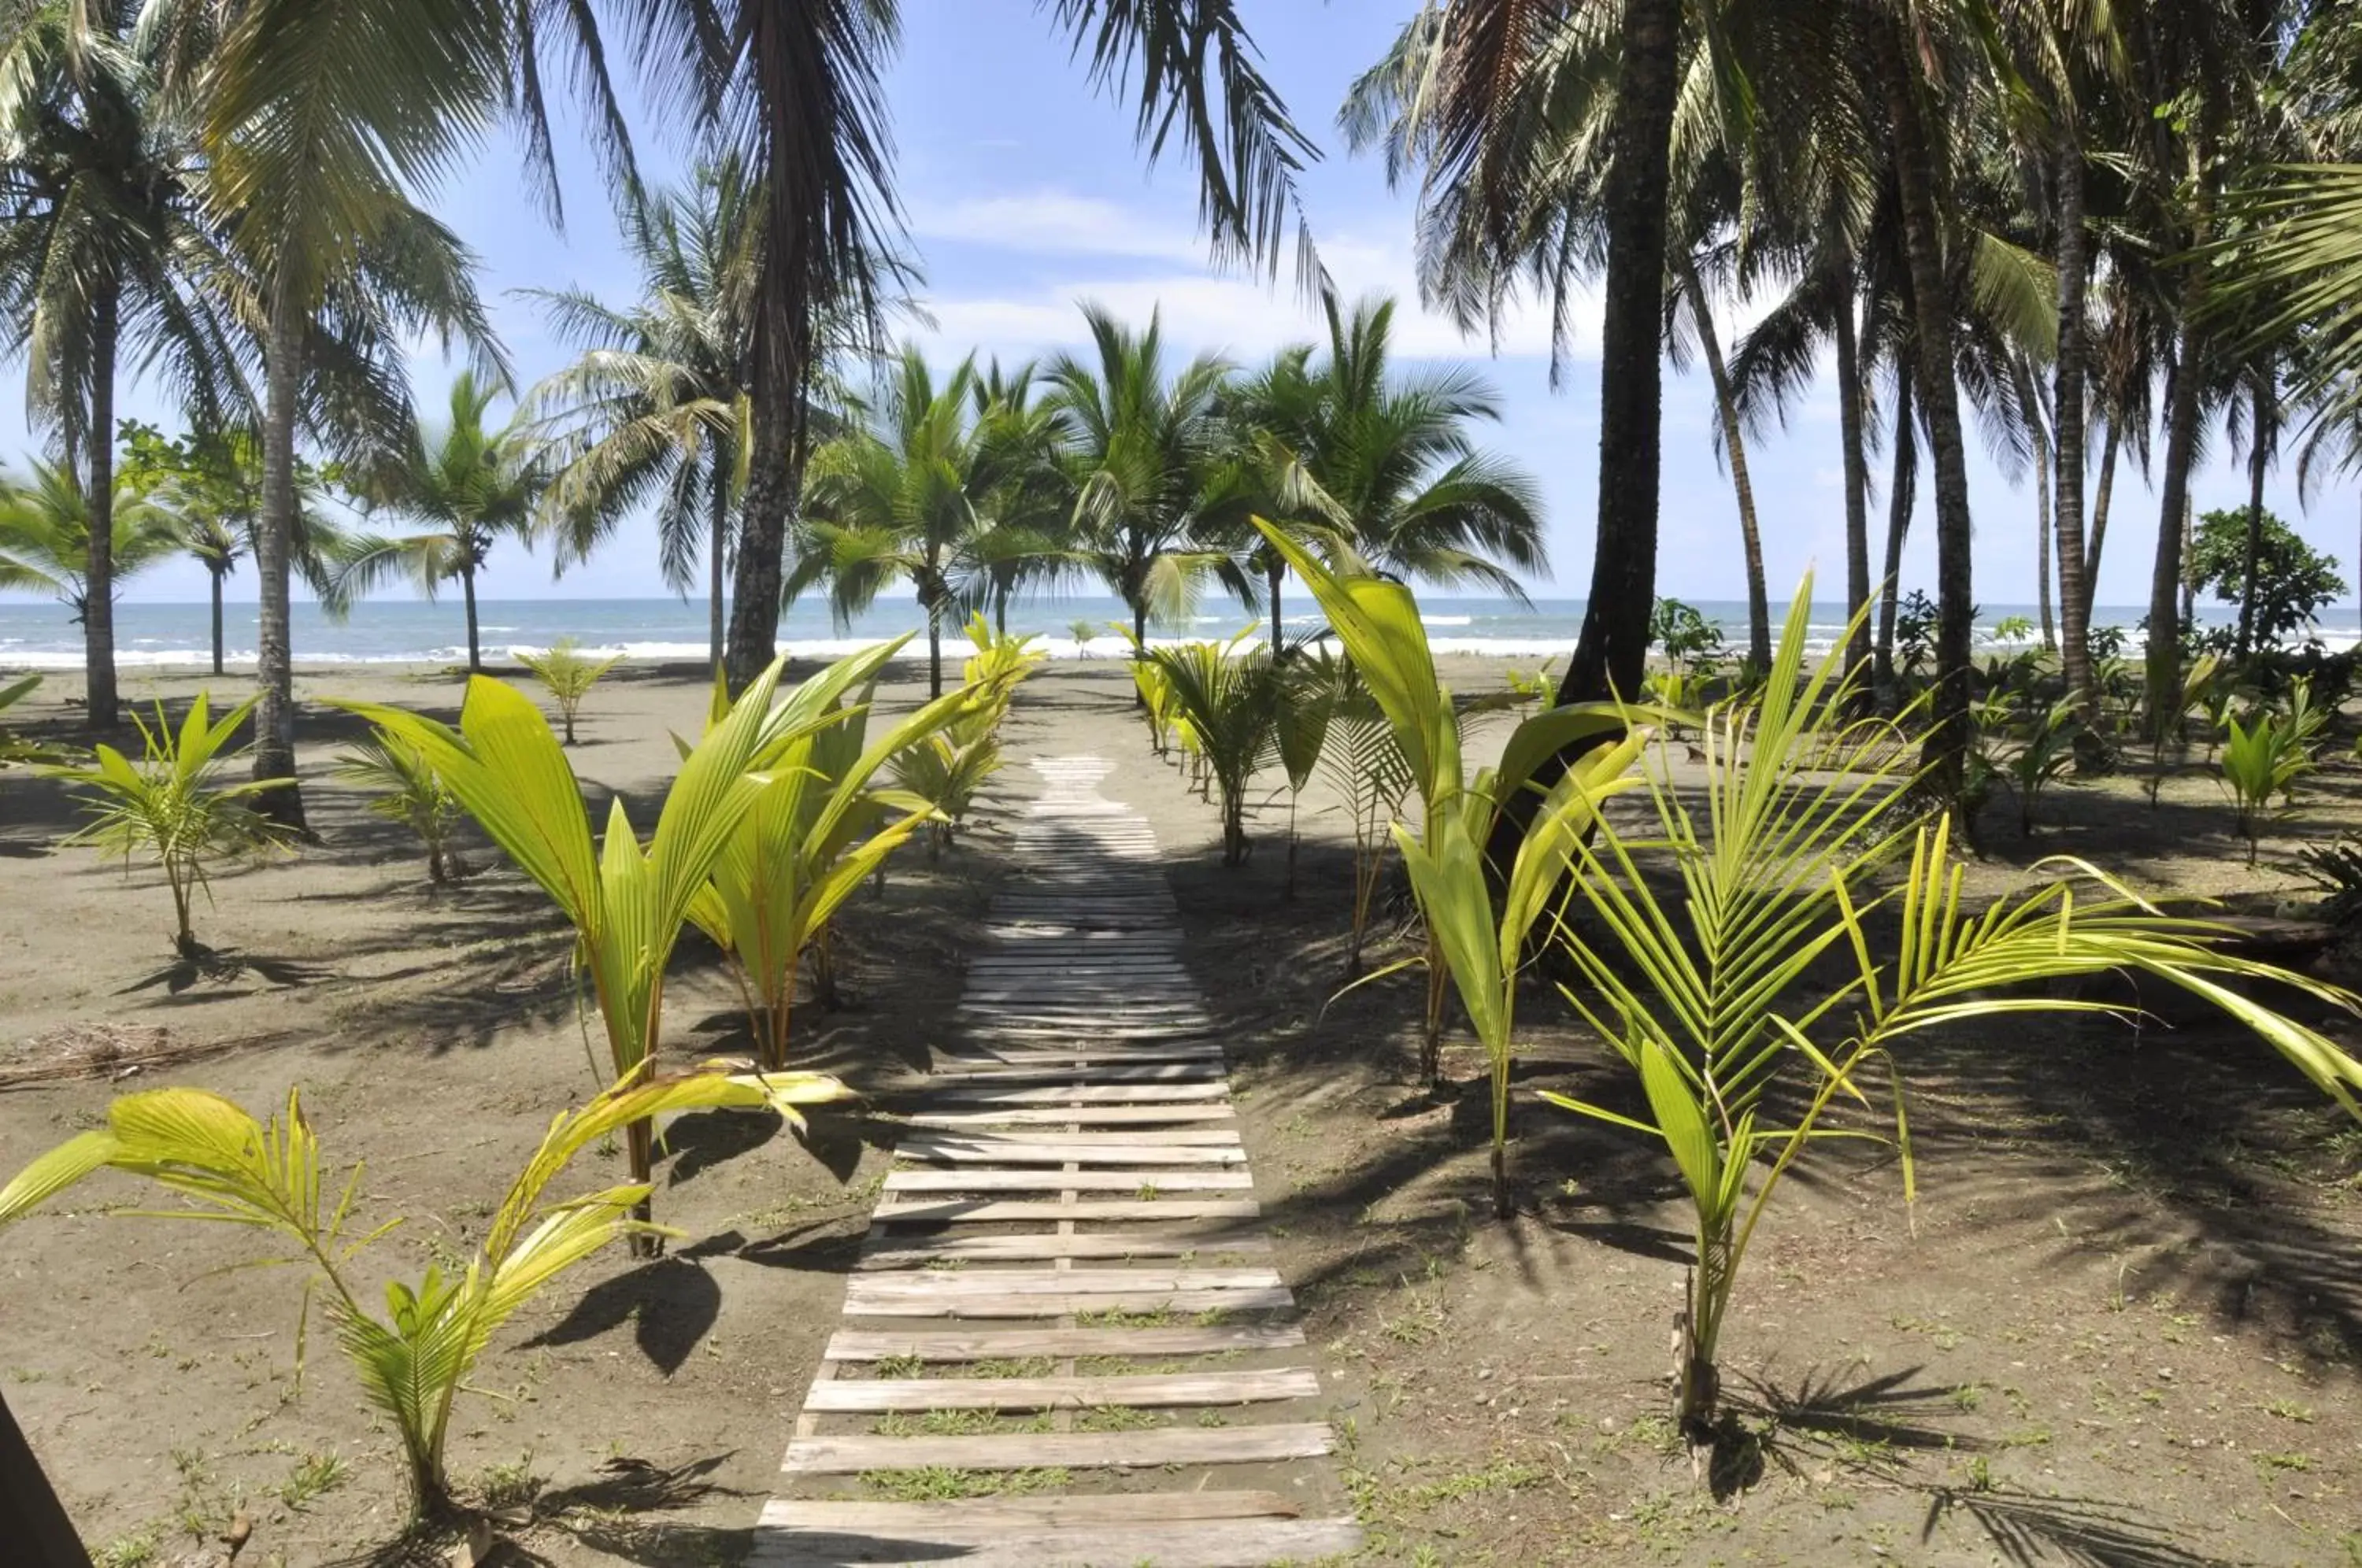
(1023, 195)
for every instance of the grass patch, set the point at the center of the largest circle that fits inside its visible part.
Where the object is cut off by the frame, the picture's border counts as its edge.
(1114, 1419)
(315, 1475)
(941, 1484)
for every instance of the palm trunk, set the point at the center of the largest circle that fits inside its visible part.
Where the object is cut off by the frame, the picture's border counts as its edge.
(1274, 570)
(772, 487)
(100, 706)
(275, 673)
(717, 561)
(217, 574)
(2030, 403)
(31, 1513)
(1611, 654)
(1903, 494)
(1733, 441)
(2258, 463)
(2167, 610)
(1923, 236)
(1857, 479)
(935, 652)
(2100, 500)
(2043, 612)
(467, 593)
(2189, 541)
(2067, 416)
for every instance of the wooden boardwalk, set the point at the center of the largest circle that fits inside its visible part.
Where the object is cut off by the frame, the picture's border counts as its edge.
(1065, 1346)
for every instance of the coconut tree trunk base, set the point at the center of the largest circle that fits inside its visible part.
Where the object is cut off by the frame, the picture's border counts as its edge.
(31, 1515)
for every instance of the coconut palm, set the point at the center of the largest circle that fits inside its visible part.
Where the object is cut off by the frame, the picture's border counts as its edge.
(798, 87)
(212, 481)
(1146, 453)
(105, 255)
(908, 495)
(471, 486)
(654, 409)
(1394, 472)
(316, 122)
(45, 528)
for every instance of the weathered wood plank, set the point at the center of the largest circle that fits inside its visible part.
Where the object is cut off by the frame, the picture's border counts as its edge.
(1168, 1137)
(1087, 1094)
(1027, 1512)
(1079, 1450)
(973, 1054)
(935, 1285)
(1101, 1072)
(1068, 1181)
(1083, 1115)
(859, 1303)
(1209, 1543)
(933, 1345)
(918, 1252)
(968, 1153)
(991, 1211)
(1161, 1391)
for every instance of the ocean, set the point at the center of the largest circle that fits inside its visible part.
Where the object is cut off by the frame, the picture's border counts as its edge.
(37, 635)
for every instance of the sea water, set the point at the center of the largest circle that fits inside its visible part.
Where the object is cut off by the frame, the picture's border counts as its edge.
(36, 635)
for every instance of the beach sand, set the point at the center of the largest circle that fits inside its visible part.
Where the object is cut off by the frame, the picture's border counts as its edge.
(2106, 1218)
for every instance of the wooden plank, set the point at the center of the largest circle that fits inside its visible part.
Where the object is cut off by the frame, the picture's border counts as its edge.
(1205, 1543)
(937, 1284)
(1068, 1181)
(971, 1055)
(1079, 1450)
(1021, 1512)
(989, 1153)
(1196, 1137)
(933, 1345)
(1087, 1094)
(991, 1211)
(1086, 1115)
(858, 1304)
(1163, 1391)
(1045, 1246)
(1092, 1072)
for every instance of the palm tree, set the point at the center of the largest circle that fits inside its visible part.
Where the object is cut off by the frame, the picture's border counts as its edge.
(1146, 453)
(45, 529)
(1400, 478)
(796, 93)
(104, 254)
(655, 409)
(316, 120)
(213, 482)
(471, 487)
(907, 496)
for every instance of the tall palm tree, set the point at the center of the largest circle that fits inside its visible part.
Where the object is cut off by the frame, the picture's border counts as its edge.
(106, 256)
(212, 480)
(655, 411)
(1400, 476)
(471, 486)
(1146, 453)
(908, 495)
(796, 88)
(317, 121)
(45, 528)
(1033, 501)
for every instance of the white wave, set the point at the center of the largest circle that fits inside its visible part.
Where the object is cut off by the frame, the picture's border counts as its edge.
(1446, 620)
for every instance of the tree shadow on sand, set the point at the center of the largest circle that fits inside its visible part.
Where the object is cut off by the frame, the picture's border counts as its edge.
(224, 967)
(2035, 1532)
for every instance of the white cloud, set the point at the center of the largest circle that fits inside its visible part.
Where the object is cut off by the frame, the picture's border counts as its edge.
(1052, 222)
(1246, 317)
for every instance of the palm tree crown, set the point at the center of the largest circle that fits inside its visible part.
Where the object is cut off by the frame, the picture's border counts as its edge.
(469, 485)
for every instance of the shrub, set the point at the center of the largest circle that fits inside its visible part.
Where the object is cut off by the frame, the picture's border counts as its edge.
(2293, 580)
(171, 808)
(569, 675)
(1683, 633)
(1715, 990)
(1230, 699)
(414, 1359)
(2261, 759)
(407, 790)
